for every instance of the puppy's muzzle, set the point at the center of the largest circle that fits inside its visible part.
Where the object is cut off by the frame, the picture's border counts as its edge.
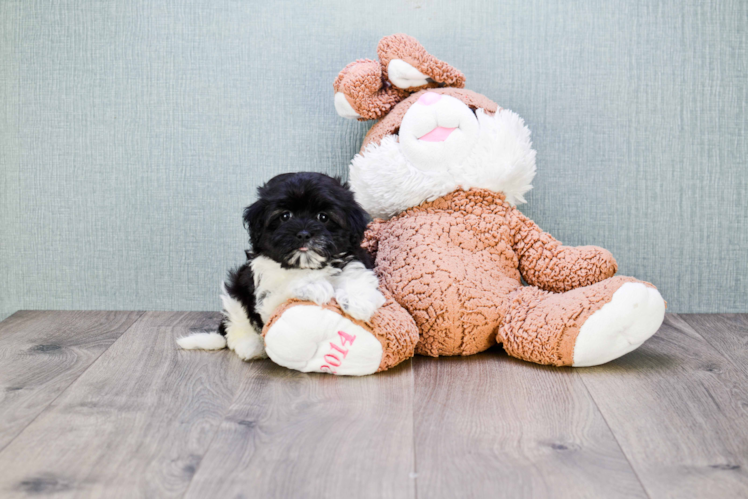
(304, 236)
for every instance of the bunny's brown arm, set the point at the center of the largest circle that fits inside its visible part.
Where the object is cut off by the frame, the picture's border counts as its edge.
(371, 238)
(546, 263)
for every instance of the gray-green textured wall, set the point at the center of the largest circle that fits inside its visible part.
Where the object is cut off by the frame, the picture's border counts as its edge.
(133, 133)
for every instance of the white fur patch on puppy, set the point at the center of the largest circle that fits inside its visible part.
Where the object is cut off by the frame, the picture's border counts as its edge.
(354, 287)
(274, 285)
(250, 347)
(361, 307)
(356, 291)
(320, 292)
(241, 336)
(210, 341)
(633, 315)
(307, 260)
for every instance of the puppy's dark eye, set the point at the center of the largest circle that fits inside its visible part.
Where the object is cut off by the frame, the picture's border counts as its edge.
(322, 217)
(286, 216)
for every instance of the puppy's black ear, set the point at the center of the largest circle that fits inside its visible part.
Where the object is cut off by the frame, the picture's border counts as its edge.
(358, 219)
(254, 222)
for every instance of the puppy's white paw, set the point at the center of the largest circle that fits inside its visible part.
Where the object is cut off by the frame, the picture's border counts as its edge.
(319, 292)
(361, 306)
(308, 338)
(634, 314)
(250, 347)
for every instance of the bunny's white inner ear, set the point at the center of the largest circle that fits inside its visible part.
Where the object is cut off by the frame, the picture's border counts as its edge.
(404, 76)
(344, 108)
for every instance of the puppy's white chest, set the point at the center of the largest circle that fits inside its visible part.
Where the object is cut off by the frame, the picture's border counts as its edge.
(275, 285)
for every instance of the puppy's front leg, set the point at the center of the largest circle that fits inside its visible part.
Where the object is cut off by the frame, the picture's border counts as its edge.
(241, 323)
(317, 291)
(357, 292)
(242, 334)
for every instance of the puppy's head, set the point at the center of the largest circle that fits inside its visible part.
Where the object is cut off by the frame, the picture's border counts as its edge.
(305, 220)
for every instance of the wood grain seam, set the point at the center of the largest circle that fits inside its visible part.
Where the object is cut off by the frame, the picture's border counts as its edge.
(615, 438)
(224, 417)
(716, 348)
(63, 391)
(413, 424)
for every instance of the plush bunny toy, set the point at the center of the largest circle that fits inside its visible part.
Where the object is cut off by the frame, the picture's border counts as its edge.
(442, 171)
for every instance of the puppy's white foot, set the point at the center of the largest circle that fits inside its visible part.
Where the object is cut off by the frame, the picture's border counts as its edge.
(319, 292)
(633, 315)
(249, 347)
(361, 306)
(312, 339)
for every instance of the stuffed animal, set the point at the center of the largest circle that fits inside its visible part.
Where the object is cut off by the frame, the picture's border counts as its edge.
(441, 172)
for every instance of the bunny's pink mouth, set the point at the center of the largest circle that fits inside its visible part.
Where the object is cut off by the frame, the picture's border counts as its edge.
(439, 134)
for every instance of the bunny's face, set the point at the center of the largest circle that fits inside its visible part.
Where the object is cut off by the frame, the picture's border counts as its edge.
(438, 132)
(433, 136)
(434, 143)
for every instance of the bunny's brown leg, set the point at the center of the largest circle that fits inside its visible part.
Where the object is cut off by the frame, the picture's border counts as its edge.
(311, 338)
(586, 326)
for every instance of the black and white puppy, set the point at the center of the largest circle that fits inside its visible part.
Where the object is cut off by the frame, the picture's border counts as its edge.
(305, 230)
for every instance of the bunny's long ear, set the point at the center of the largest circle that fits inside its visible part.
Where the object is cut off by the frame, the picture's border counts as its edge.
(408, 66)
(361, 92)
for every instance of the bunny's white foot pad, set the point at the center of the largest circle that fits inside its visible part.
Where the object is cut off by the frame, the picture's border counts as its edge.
(634, 314)
(309, 338)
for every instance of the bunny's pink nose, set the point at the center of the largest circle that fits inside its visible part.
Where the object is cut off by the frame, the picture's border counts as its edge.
(429, 98)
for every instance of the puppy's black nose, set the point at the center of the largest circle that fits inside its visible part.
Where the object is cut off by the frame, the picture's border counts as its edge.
(303, 235)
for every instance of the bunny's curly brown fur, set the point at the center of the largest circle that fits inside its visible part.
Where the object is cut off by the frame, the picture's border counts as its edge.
(366, 85)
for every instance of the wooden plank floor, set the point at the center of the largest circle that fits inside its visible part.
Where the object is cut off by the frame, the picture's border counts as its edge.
(103, 404)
